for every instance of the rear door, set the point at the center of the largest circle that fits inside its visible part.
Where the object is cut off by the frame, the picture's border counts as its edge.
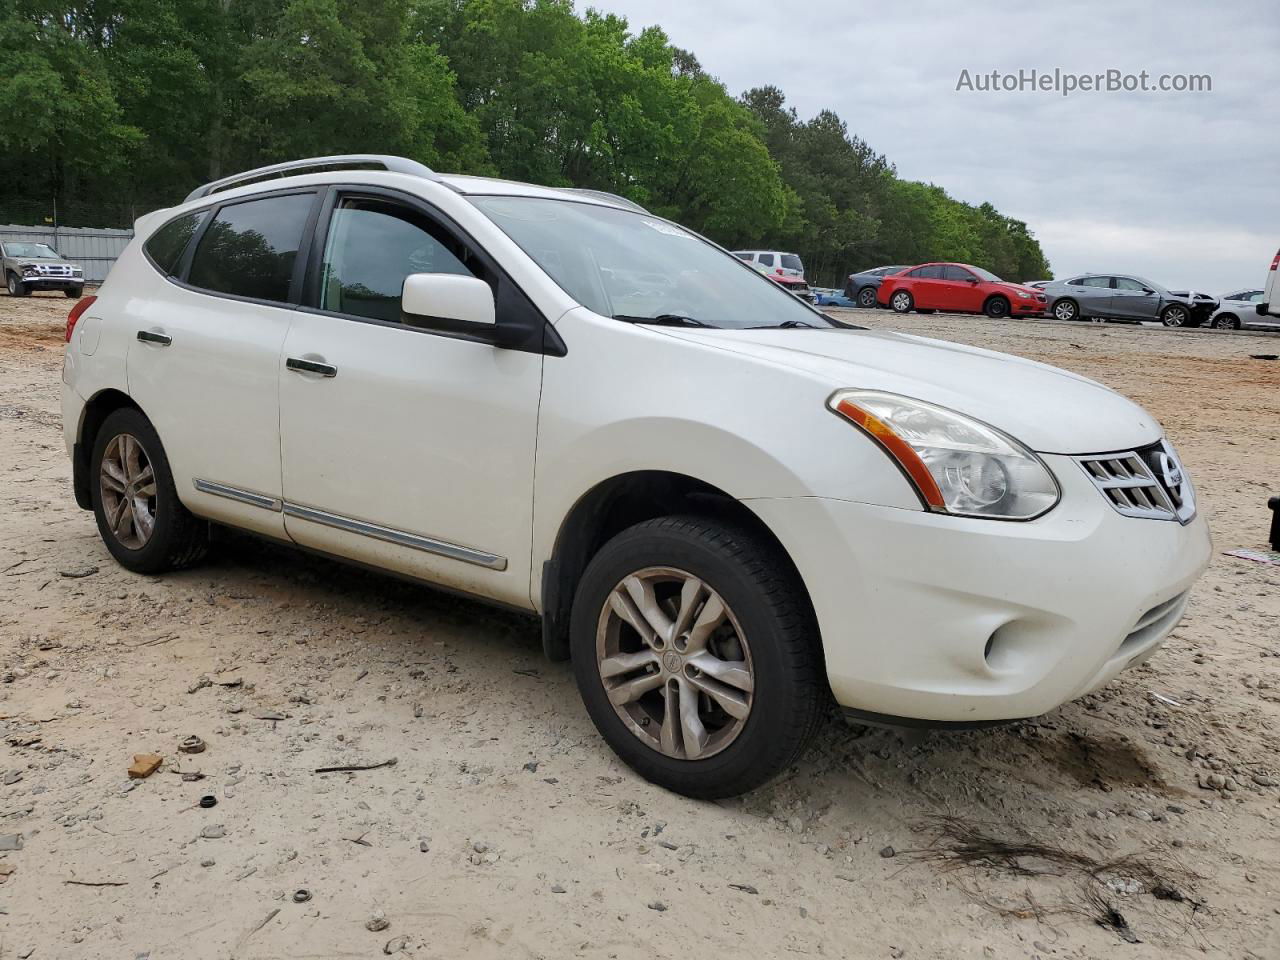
(410, 448)
(205, 350)
(928, 287)
(1093, 294)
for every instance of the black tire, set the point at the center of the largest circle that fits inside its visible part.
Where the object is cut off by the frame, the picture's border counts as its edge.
(790, 692)
(16, 287)
(997, 308)
(179, 538)
(1066, 310)
(866, 298)
(1176, 315)
(1226, 321)
(75, 293)
(901, 301)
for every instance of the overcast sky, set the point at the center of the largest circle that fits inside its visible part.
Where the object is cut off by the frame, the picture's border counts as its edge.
(1183, 188)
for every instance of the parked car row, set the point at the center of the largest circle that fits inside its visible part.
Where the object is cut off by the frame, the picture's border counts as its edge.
(784, 269)
(963, 288)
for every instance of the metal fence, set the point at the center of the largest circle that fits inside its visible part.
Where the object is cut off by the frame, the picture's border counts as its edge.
(92, 248)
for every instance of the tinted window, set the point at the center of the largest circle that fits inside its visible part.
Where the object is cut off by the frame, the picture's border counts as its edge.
(743, 256)
(1128, 283)
(1096, 282)
(930, 273)
(917, 272)
(167, 244)
(766, 259)
(371, 247)
(956, 273)
(791, 262)
(250, 248)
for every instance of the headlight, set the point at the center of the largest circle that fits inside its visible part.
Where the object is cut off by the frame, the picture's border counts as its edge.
(1023, 294)
(957, 464)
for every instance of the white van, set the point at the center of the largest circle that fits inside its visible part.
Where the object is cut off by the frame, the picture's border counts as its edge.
(1270, 305)
(773, 262)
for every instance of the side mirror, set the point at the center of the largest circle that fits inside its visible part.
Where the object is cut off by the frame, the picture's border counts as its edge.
(972, 280)
(1147, 290)
(429, 298)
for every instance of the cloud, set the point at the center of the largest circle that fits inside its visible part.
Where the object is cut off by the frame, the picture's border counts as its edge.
(1182, 184)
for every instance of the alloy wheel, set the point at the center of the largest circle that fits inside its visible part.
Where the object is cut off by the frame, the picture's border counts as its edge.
(128, 486)
(902, 302)
(867, 297)
(675, 663)
(1175, 317)
(1065, 311)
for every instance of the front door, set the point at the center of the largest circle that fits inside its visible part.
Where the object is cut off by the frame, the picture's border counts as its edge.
(204, 354)
(1133, 300)
(402, 446)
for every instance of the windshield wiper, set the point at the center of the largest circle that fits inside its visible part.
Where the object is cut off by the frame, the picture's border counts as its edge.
(663, 320)
(784, 325)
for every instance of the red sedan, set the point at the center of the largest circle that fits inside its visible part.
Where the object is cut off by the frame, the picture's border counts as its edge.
(958, 288)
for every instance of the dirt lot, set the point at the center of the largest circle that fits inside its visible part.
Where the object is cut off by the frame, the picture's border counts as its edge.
(506, 828)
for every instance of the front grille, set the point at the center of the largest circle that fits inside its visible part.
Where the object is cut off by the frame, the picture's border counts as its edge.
(1148, 482)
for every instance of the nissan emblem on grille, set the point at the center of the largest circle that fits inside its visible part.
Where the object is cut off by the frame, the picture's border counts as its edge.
(1148, 482)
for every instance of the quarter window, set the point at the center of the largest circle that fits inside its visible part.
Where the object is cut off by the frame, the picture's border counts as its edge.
(250, 248)
(372, 246)
(166, 245)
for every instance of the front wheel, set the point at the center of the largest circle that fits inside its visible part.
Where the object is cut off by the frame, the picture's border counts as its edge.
(867, 298)
(1175, 315)
(997, 308)
(140, 518)
(697, 657)
(16, 287)
(1226, 322)
(75, 293)
(901, 302)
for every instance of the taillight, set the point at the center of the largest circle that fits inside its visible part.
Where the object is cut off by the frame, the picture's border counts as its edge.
(778, 271)
(83, 304)
(1275, 264)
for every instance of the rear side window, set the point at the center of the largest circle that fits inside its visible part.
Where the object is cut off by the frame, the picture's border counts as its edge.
(791, 262)
(250, 248)
(766, 259)
(929, 273)
(166, 245)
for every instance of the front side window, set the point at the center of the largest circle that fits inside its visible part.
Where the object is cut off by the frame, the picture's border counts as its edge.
(166, 245)
(250, 248)
(986, 275)
(371, 247)
(1254, 296)
(620, 263)
(956, 273)
(1128, 283)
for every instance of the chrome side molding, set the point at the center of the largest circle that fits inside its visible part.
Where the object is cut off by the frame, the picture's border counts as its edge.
(441, 548)
(235, 493)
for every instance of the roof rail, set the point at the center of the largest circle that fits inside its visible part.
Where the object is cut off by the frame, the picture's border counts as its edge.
(351, 161)
(604, 195)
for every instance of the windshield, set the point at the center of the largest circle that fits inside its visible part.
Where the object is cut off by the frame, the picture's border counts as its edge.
(986, 275)
(634, 266)
(38, 251)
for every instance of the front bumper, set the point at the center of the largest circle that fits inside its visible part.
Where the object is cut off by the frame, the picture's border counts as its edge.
(959, 620)
(1029, 308)
(38, 282)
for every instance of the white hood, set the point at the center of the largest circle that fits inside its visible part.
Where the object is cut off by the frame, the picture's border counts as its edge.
(1048, 409)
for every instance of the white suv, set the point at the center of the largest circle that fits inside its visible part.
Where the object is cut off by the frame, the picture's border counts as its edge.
(724, 506)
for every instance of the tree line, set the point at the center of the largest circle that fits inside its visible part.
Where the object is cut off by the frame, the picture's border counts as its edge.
(115, 107)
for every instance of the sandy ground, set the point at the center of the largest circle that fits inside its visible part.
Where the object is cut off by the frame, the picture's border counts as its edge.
(507, 828)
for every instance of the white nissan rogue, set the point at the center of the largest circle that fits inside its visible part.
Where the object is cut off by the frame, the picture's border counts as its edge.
(724, 506)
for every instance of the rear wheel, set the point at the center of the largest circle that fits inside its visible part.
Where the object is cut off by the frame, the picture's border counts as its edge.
(142, 522)
(997, 308)
(1226, 321)
(867, 298)
(16, 287)
(1175, 315)
(901, 301)
(696, 655)
(1066, 310)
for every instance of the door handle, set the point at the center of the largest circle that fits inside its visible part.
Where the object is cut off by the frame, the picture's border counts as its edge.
(298, 365)
(150, 336)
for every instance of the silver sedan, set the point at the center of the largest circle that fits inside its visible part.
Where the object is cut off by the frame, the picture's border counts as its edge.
(1240, 309)
(1103, 297)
